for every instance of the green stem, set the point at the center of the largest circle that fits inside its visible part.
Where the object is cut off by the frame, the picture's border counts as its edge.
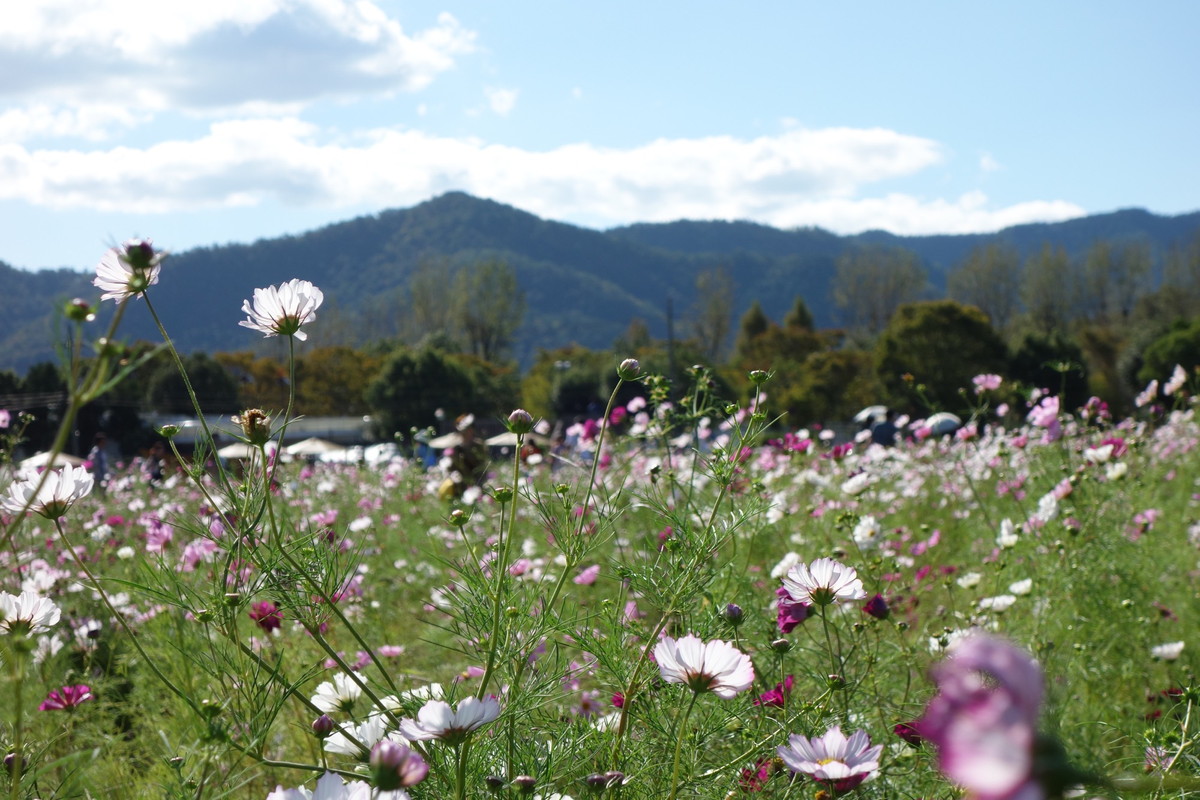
(504, 548)
(18, 675)
(680, 734)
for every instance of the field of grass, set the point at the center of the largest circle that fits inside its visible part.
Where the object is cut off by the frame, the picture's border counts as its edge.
(215, 617)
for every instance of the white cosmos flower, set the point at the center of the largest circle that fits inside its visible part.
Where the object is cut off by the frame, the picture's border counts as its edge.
(338, 695)
(823, 582)
(357, 740)
(127, 271)
(330, 787)
(60, 490)
(438, 720)
(714, 666)
(27, 614)
(1176, 382)
(281, 310)
(833, 758)
(1167, 652)
(1008, 534)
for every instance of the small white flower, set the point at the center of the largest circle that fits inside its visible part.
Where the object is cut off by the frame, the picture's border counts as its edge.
(338, 695)
(999, 603)
(1176, 382)
(330, 787)
(357, 740)
(281, 310)
(1167, 652)
(60, 489)
(1116, 470)
(788, 561)
(857, 484)
(970, 580)
(127, 271)
(866, 532)
(1008, 534)
(1098, 455)
(1021, 587)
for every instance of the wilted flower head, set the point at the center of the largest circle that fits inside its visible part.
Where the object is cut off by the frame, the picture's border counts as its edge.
(27, 614)
(714, 666)
(60, 489)
(281, 310)
(824, 582)
(833, 759)
(255, 424)
(128, 270)
(438, 720)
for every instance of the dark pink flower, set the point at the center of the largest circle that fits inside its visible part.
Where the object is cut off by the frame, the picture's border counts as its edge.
(778, 696)
(267, 615)
(66, 698)
(790, 613)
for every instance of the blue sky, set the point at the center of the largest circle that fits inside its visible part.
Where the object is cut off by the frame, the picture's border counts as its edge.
(232, 120)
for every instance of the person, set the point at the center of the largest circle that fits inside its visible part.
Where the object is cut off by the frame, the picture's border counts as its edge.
(884, 431)
(99, 461)
(468, 460)
(153, 465)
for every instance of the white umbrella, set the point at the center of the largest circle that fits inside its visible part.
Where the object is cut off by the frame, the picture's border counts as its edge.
(313, 446)
(43, 460)
(239, 450)
(871, 413)
(452, 439)
(942, 422)
(508, 439)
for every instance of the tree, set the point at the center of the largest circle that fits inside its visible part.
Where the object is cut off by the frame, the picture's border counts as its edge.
(215, 388)
(431, 301)
(989, 279)
(799, 316)
(1180, 346)
(1048, 291)
(1113, 280)
(332, 381)
(831, 385)
(490, 305)
(872, 282)
(712, 312)
(1051, 361)
(754, 324)
(262, 382)
(942, 345)
(414, 384)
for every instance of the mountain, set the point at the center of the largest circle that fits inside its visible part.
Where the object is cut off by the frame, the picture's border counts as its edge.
(581, 285)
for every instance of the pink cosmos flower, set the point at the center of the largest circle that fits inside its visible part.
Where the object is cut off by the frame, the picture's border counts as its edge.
(984, 383)
(833, 759)
(714, 666)
(266, 615)
(983, 719)
(67, 697)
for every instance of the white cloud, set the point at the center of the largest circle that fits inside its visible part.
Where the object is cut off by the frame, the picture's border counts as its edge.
(989, 164)
(798, 177)
(501, 101)
(215, 55)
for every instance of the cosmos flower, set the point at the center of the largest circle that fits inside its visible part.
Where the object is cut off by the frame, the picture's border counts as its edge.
(438, 720)
(330, 787)
(714, 666)
(128, 270)
(338, 695)
(983, 719)
(267, 615)
(833, 759)
(395, 765)
(824, 582)
(281, 310)
(67, 697)
(27, 614)
(60, 489)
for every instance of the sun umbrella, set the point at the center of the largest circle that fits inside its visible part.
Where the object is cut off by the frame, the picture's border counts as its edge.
(313, 446)
(43, 460)
(871, 413)
(942, 422)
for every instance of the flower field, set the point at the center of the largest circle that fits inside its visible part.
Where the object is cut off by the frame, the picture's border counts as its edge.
(692, 603)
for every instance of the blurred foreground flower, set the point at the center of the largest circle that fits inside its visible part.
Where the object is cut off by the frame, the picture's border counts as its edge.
(60, 490)
(27, 614)
(281, 310)
(983, 722)
(330, 787)
(714, 666)
(127, 271)
(833, 759)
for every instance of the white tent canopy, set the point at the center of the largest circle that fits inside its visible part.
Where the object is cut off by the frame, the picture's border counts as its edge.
(312, 446)
(43, 460)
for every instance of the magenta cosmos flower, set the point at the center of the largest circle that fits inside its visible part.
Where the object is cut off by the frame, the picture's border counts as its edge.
(833, 759)
(823, 582)
(66, 697)
(983, 719)
(281, 310)
(714, 666)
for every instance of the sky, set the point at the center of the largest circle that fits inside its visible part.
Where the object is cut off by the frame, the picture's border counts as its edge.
(199, 123)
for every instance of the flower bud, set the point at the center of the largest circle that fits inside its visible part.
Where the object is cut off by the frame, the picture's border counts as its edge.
(139, 255)
(836, 682)
(459, 518)
(759, 376)
(168, 431)
(629, 369)
(524, 784)
(494, 783)
(323, 726)
(877, 607)
(734, 614)
(395, 766)
(520, 422)
(79, 310)
(781, 646)
(502, 494)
